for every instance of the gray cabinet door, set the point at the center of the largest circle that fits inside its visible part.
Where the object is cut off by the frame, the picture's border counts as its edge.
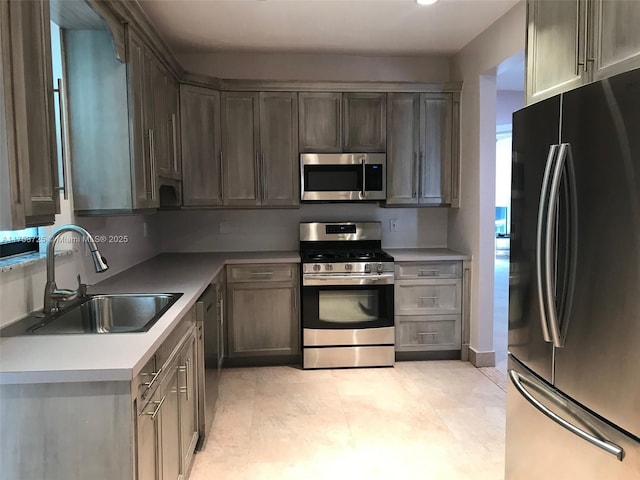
(139, 76)
(188, 404)
(320, 116)
(159, 93)
(616, 37)
(240, 148)
(436, 135)
(29, 166)
(403, 126)
(556, 47)
(279, 149)
(200, 142)
(365, 122)
(263, 319)
(170, 427)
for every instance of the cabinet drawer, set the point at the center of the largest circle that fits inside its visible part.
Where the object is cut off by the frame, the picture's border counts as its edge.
(266, 272)
(417, 334)
(428, 297)
(429, 270)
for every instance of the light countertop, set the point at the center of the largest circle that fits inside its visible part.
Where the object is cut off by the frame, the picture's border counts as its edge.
(425, 254)
(121, 356)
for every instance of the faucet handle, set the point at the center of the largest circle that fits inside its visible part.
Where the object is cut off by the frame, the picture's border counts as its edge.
(82, 287)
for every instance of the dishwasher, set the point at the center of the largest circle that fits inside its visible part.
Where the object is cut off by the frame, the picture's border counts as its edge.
(209, 327)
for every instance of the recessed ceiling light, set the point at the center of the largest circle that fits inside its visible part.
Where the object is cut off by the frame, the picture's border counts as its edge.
(426, 2)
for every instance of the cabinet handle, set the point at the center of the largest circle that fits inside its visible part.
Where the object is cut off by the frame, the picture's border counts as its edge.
(63, 139)
(579, 63)
(428, 273)
(420, 162)
(175, 142)
(413, 174)
(263, 176)
(152, 164)
(435, 334)
(149, 385)
(587, 58)
(155, 412)
(364, 178)
(295, 299)
(220, 179)
(185, 369)
(256, 176)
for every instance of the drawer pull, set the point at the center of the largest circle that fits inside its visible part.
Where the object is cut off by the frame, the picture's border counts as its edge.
(435, 334)
(262, 273)
(154, 414)
(428, 273)
(149, 385)
(427, 298)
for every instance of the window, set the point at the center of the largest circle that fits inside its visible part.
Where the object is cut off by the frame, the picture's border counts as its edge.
(18, 242)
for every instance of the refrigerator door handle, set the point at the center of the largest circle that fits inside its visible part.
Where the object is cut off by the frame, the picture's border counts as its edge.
(519, 380)
(543, 214)
(564, 158)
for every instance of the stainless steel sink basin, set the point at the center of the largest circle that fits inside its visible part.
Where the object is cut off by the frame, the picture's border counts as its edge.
(115, 313)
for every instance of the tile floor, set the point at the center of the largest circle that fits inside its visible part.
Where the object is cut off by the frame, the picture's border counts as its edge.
(436, 420)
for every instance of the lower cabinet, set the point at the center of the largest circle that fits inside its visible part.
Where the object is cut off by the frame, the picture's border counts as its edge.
(263, 315)
(428, 306)
(166, 426)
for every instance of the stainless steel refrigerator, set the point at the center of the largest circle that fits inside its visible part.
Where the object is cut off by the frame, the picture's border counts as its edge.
(573, 397)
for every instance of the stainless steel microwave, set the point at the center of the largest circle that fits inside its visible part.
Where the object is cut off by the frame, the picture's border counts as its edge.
(343, 177)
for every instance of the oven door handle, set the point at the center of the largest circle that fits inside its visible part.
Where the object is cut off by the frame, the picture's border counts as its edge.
(332, 279)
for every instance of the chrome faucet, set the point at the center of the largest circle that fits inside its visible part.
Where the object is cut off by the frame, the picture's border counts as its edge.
(52, 294)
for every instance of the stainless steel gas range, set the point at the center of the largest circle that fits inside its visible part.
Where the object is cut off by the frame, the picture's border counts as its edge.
(347, 296)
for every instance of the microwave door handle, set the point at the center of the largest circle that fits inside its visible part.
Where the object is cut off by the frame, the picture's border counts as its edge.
(364, 176)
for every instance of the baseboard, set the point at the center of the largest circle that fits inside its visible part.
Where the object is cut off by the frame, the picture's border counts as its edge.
(439, 355)
(464, 353)
(482, 359)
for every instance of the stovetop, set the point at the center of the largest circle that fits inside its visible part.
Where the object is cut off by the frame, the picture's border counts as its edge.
(345, 255)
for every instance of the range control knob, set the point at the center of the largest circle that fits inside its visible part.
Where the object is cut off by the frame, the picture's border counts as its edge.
(316, 267)
(380, 268)
(348, 267)
(367, 268)
(328, 266)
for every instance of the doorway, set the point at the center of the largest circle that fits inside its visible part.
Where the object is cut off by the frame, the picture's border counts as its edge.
(510, 95)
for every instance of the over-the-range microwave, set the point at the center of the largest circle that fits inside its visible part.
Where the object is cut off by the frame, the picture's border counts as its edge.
(343, 177)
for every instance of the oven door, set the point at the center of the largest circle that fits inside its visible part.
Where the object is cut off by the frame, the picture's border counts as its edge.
(347, 307)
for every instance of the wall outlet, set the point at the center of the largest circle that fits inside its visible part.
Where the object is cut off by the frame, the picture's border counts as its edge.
(393, 225)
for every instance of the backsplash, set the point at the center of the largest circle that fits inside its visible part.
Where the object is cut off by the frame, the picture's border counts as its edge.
(22, 289)
(255, 230)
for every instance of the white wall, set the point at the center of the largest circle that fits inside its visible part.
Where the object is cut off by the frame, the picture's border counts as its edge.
(255, 230)
(321, 67)
(471, 228)
(507, 102)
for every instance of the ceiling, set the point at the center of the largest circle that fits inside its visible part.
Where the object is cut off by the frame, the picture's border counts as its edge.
(368, 27)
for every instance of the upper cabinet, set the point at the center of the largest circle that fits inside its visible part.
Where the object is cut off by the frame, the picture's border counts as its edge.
(259, 149)
(123, 120)
(28, 155)
(573, 42)
(200, 141)
(332, 122)
(422, 151)
(364, 122)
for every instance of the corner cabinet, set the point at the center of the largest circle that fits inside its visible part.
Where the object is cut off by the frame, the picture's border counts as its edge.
(423, 164)
(28, 155)
(428, 306)
(263, 315)
(123, 122)
(574, 42)
(259, 149)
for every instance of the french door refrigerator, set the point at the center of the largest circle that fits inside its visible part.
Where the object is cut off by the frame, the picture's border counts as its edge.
(573, 397)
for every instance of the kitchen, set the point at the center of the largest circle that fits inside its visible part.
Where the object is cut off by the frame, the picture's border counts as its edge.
(264, 230)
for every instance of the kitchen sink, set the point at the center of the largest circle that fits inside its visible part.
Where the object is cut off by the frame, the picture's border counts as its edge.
(114, 313)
